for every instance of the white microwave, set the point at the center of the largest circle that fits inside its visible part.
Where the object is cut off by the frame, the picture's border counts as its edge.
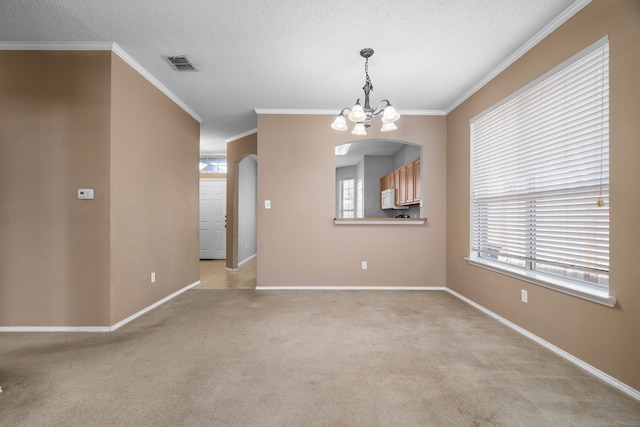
(387, 199)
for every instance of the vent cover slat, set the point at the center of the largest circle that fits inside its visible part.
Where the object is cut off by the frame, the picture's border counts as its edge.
(180, 63)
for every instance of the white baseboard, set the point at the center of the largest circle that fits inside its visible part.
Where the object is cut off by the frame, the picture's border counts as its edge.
(560, 352)
(154, 305)
(97, 328)
(55, 329)
(247, 259)
(350, 288)
(240, 263)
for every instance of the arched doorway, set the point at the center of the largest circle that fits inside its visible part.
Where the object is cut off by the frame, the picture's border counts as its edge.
(247, 209)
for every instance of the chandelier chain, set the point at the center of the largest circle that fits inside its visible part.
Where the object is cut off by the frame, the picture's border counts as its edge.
(366, 72)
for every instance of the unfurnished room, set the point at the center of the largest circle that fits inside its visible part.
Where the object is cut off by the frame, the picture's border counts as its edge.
(285, 213)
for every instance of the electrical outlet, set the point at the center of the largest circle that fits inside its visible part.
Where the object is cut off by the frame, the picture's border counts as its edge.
(523, 296)
(364, 265)
(153, 277)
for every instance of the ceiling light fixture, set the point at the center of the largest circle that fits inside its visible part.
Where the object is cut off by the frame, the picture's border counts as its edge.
(362, 116)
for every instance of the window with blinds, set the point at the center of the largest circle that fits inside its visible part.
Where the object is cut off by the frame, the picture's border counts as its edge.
(540, 175)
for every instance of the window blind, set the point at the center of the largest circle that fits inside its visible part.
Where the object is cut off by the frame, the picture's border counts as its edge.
(540, 174)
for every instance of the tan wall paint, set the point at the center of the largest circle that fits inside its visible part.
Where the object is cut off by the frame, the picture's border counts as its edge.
(154, 194)
(236, 151)
(86, 119)
(54, 139)
(606, 338)
(298, 243)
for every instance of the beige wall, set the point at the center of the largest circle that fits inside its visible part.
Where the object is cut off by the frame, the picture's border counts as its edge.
(236, 151)
(86, 119)
(298, 243)
(606, 338)
(54, 139)
(154, 194)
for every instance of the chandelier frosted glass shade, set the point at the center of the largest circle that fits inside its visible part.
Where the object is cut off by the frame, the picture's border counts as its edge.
(390, 114)
(388, 126)
(359, 129)
(363, 115)
(339, 123)
(357, 113)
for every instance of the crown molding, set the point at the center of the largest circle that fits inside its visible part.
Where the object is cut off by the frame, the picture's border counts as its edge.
(548, 29)
(147, 75)
(101, 46)
(260, 111)
(242, 135)
(55, 46)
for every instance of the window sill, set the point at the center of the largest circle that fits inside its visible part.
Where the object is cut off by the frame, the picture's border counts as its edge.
(379, 221)
(557, 284)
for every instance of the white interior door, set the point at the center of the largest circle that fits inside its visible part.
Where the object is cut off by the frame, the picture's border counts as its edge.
(213, 209)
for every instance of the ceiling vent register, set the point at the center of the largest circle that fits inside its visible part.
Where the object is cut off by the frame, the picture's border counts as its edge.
(180, 63)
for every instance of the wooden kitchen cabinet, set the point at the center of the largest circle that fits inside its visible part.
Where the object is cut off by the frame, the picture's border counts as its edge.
(406, 182)
(417, 193)
(402, 187)
(396, 185)
(410, 184)
(386, 182)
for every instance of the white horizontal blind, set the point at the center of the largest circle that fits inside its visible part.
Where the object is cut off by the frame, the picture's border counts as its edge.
(539, 167)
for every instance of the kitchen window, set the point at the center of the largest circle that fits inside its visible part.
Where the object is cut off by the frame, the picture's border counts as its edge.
(347, 199)
(540, 180)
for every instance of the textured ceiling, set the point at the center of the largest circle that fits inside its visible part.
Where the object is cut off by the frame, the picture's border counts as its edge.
(293, 54)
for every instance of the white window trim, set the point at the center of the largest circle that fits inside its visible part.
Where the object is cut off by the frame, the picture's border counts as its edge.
(574, 288)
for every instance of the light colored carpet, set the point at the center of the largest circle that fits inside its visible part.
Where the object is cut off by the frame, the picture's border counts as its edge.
(301, 358)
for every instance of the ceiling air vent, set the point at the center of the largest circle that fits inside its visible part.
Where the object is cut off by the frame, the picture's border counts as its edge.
(180, 63)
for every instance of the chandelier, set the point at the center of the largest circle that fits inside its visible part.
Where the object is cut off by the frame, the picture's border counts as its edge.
(362, 116)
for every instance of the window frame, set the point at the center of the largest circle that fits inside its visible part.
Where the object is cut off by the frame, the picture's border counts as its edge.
(341, 199)
(214, 164)
(596, 293)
